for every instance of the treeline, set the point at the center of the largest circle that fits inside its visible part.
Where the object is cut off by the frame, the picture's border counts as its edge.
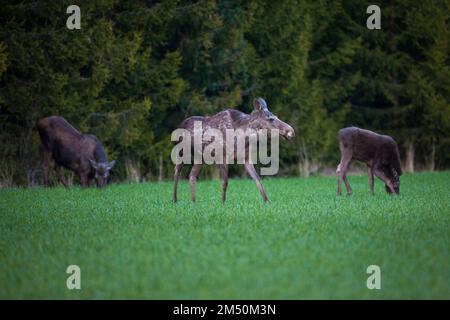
(135, 69)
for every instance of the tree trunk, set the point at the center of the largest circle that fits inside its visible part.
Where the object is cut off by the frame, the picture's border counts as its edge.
(306, 170)
(431, 166)
(410, 157)
(132, 171)
(161, 167)
(303, 164)
(69, 178)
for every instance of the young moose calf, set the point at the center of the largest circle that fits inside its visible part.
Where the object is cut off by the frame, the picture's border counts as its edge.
(81, 153)
(260, 118)
(379, 152)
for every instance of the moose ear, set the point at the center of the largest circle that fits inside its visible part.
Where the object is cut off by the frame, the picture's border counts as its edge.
(256, 105)
(260, 104)
(93, 164)
(111, 165)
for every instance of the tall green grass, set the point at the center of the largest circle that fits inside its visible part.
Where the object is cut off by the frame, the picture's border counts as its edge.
(130, 241)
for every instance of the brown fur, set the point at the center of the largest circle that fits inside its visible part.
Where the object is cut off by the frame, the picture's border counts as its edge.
(379, 152)
(260, 118)
(80, 153)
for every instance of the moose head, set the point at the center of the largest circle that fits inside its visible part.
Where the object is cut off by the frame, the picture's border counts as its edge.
(262, 118)
(101, 171)
(394, 177)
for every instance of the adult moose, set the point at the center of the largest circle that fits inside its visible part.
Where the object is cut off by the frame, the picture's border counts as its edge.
(260, 118)
(80, 153)
(378, 152)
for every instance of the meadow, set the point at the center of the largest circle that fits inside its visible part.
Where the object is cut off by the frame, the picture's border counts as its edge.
(130, 241)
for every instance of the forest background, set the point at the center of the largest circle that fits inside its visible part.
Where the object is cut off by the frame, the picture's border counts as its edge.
(135, 69)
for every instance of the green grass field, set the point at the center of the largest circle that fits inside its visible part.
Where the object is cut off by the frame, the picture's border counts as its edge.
(130, 241)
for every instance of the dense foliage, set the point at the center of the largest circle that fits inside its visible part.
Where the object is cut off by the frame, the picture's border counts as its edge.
(137, 68)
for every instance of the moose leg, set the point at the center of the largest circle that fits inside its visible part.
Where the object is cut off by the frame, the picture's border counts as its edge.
(224, 176)
(178, 168)
(252, 172)
(193, 178)
(347, 185)
(46, 158)
(61, 176)
(341, 172)
(371, 179)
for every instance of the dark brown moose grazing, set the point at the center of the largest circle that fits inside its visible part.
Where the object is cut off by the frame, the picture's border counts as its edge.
(379, 152)
(260, 118)
(81, 153)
